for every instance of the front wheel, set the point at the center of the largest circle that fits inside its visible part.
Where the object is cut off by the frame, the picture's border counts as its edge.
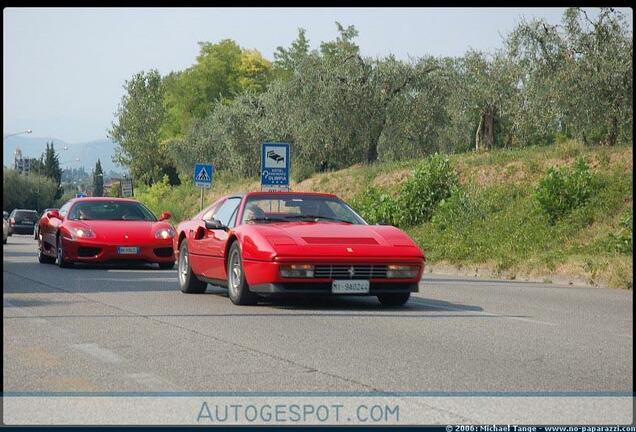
(188, 281)
(237, 288)
(61, 262)
(394, 299)
(43, 258)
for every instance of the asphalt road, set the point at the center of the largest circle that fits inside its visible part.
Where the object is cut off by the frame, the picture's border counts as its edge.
(101, 328)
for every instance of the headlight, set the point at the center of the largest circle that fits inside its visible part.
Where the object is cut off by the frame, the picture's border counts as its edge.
(82, 232)
(297, 271)
(399, 271)
(164, 233)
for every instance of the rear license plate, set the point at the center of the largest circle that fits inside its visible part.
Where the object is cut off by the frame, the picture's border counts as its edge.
(350, 287)
(127, 250)
(27, 222)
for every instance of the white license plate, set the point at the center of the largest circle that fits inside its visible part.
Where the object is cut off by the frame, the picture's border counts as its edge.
(27, 222)
(127, 250)
(350, 287)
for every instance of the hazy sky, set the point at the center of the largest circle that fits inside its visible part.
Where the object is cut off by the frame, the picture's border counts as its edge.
(64, 68)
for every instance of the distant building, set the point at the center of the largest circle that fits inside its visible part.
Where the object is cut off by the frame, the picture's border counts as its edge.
(22, 165)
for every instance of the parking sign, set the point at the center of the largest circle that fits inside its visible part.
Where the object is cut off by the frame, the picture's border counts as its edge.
(275, 162)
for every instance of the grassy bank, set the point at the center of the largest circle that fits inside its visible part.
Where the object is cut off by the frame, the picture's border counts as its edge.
(498, 226)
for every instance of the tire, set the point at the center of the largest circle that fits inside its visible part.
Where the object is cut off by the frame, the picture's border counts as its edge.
(188, 282)
(237, 287)
(166, 266)
(61, 262)
(44, 259)
(396, 299)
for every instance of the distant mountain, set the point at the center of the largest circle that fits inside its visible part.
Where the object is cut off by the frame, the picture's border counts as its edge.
(87, 152)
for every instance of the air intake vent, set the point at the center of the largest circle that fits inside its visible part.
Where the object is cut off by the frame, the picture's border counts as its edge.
(341, 240)
(88, 251)
(354, 271)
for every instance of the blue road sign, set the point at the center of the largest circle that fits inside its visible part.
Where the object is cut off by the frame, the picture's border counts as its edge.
(80, 195)
(275, 162)
(203, 174)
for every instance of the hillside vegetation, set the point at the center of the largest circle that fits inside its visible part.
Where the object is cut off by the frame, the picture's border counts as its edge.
(492, 221)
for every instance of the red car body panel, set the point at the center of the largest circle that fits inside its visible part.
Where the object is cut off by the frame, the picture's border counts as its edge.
(108, 235)
(265, 247)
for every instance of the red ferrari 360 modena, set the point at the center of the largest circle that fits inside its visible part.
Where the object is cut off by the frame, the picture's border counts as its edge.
(266, 243)
(96, 229)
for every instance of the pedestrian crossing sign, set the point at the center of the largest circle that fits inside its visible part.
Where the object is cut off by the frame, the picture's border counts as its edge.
(203, 174)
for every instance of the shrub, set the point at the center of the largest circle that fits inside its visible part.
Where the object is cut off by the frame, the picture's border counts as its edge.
(562, 190)
(376, 206)
(433, 181)
(456, 211)
(622, 241)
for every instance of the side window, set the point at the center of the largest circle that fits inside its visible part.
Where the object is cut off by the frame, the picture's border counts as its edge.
(227, 210)
(209, 214)
(64, 209)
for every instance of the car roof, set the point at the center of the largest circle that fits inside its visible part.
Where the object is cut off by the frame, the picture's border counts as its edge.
(265, 193)
(95, 199)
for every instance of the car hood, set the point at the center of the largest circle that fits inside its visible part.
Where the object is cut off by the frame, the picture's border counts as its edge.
(122, 232)
(327, 239)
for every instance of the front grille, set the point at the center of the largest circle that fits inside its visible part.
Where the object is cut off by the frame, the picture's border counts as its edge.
(163, 252)
(351, 271)
(87, 251)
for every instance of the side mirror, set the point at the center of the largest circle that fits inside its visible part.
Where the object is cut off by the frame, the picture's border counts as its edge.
(53, 214)
(5, 215)
(165, 215)
(215, 224)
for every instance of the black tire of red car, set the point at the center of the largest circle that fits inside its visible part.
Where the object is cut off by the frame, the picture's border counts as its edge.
(44, 259)
(237, 287)
(394, 299)
(166, 266)
(188, 281)
(61, 262)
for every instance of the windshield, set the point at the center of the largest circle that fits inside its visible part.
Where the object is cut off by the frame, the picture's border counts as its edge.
(288, 208)
(111, 210)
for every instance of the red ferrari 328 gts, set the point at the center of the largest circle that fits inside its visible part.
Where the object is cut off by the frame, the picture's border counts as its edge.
(105, 229)
(294, 242)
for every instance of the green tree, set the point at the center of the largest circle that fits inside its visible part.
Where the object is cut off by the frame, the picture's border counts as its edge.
(31, 192)
(136, 130)
(577, 76)
(98, 180)
(51, 168)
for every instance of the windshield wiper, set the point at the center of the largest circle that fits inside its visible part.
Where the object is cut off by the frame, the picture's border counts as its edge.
(266, 219)
(318, 217)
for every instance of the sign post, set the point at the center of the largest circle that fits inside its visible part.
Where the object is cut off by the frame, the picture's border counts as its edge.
(275, 163)
(203, 175)
(126, 187)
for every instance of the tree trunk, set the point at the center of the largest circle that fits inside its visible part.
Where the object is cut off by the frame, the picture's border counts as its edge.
(485, 137)
(613, 134)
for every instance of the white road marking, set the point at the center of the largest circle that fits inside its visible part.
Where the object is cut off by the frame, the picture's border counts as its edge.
(171, 279)
(147, 270)
(150, 381)
(103, 354)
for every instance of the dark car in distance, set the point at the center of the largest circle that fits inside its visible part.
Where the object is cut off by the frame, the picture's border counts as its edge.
(22, 221)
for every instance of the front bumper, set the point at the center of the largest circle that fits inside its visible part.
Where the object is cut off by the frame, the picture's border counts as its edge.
(264, 277)
(375, 288)
(87, 250)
